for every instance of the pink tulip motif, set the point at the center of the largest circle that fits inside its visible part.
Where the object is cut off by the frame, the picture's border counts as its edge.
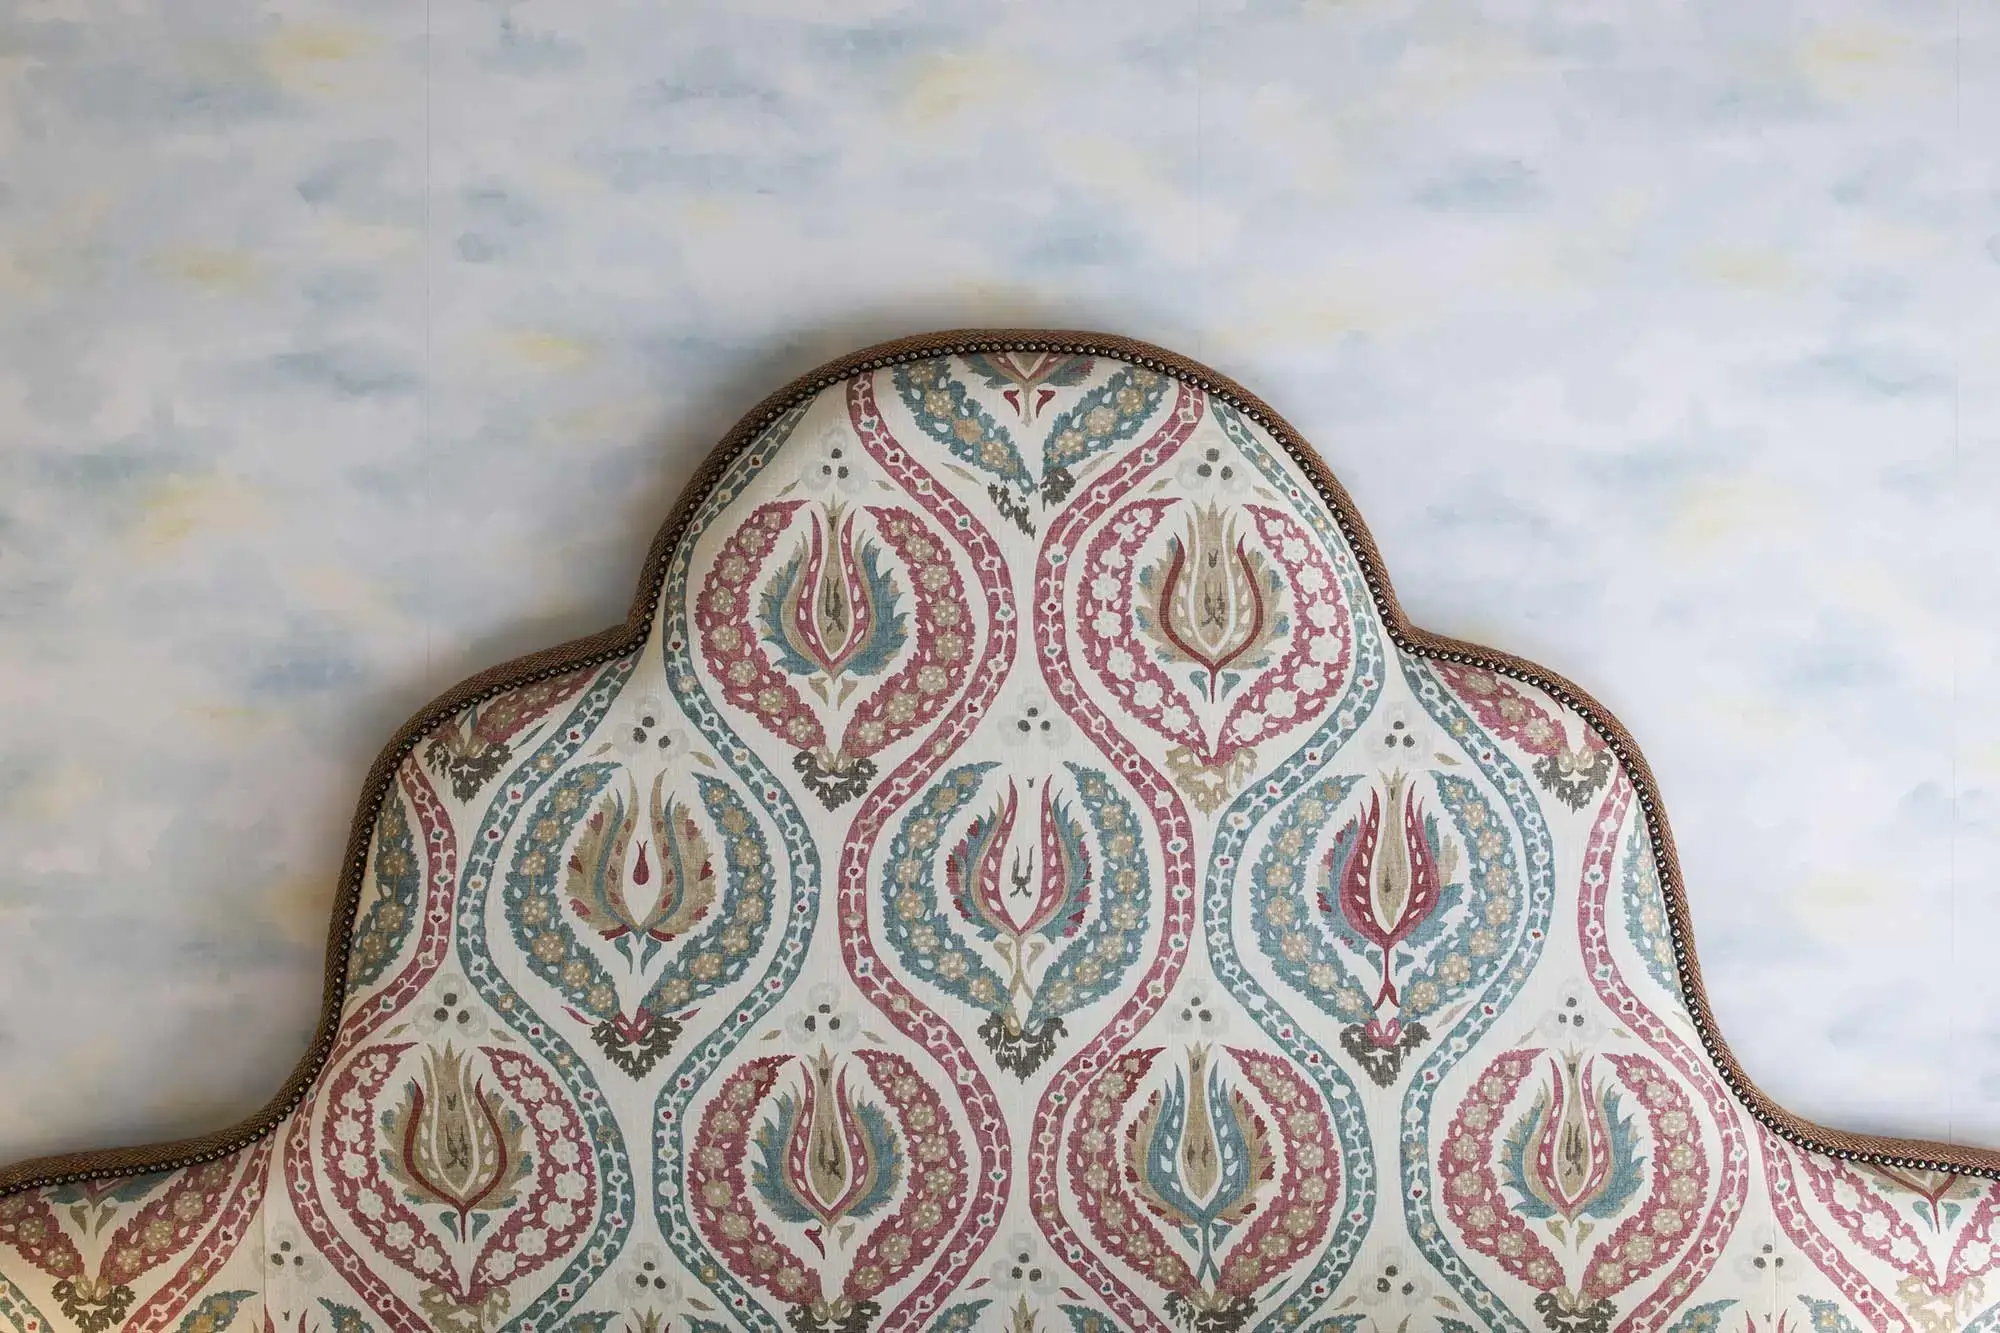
(835, 1157)
(840, 630)
(1383, 889)
(831, 610)
(1213, 603)
(985, 887)
(457, 1166)
(1216, 626)
(1022, 901)
(1578, 1175)
(1570, 1154)
(855, 1157)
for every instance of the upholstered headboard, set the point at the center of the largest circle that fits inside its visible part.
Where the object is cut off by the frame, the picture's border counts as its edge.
(1016, 868)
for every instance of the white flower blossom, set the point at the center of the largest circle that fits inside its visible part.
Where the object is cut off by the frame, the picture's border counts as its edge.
(833, 466)
(1024, 1266)
(1399, 735)
(448, 1009)
(1032, 718)
(646, 729)
(646, 1278)
(1212, 469)
(288, 1258)
(827, 1018)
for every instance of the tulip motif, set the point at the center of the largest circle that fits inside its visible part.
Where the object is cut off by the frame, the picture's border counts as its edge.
(1384, 889)
(629, 897)
(1213, 603)
(456, 1144)
(826, 1156)
(841, 638)
(875, 1186)
(1217, 627)
(1029, 380)
(983, 885)
(831, 610)
(464, 1169)
(1578, 1176)
(1213, 1186)
(1024, 928)
(677, 884)
(1197, 1156)
(1572, 1156)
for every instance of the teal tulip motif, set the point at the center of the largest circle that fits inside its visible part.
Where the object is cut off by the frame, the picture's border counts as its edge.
(1198, 1155)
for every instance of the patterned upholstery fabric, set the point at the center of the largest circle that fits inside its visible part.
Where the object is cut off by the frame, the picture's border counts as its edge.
(1017, 870)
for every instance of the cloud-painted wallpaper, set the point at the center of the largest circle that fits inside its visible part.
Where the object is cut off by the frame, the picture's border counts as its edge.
(346, 349)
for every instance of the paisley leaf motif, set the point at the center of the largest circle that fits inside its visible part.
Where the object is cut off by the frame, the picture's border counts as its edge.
(1107, 415)
(1065, 873)
(398, 881)
(687, 876)
(534, 911)
(935, 1174)
(1295, 1220)
(730, 642)
(1101, 954)
(1100, 1181)
(946, 412)
(1646, 924)
(215, 1312)
(721, 1198)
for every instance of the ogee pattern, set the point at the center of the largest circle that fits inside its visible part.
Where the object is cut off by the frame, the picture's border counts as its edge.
(1017, 871)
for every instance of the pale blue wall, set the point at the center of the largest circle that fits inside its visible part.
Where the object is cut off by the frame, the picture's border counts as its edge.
(345, 349)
